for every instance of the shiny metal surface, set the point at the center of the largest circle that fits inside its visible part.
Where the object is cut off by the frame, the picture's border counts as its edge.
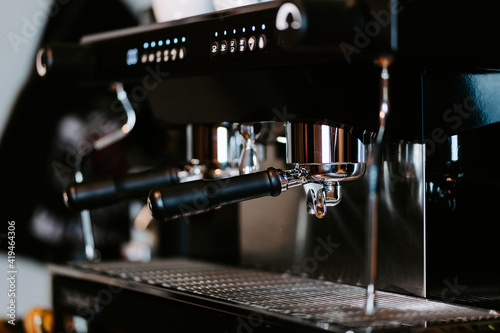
(100, 144)
(293, 178)
(319, 143)
(334, 248)
(328, 196)
(374, 164)
(224, 149)
(129, 125)
(332, 155)
(214, 147)
(328, 173)
(248, 161)
(202, 144)
(401, 263)
(293, 299)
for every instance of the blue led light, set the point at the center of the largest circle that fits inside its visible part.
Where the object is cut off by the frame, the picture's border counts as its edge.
(225, 32)
(243, 30)
(216, 34)
(146, 45)
(183, 39)
(253, 27)
(263, 27)
(160, 43)
(176, 40)
(167, 42)
(234, 31)
(132, 56)
(153, 44)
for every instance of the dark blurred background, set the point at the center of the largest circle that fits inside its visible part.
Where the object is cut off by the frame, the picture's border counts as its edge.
(47, 129)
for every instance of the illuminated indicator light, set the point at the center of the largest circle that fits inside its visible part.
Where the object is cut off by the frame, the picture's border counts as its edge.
(325, 144)
(183, 39)
(454, 148)
(146, 45)
(281, 139)
(222, 151)
(234, 31)
(263, 27)
(225, 32)
(132, 56)
(262, 41)
(78, 176)
(243, 30)
(253, 27)
(167, 42)
(176, 40)
(216, 34)
(173, 54)
(153, 44)
(160, 43)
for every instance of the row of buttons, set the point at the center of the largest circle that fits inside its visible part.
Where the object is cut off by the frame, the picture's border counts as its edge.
(241, 45)
(165, 55)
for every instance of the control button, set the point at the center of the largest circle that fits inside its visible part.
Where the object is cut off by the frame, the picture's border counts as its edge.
(251, 43)
(158, 56)
(223, 47)
(132, 57)
(262, 42)
(182, 53)
(166, 55)
(232, 46)
(151, 57)
(214, 49)
(288, 12)
(242, 44)
(144, 58)
(173, 54)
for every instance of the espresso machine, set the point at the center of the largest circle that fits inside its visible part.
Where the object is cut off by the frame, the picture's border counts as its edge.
(332, 177)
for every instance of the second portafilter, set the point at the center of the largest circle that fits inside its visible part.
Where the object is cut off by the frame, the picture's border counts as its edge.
(332, 154)
(325, 154)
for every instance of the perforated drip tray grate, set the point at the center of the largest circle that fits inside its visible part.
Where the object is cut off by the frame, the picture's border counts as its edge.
(319, 303)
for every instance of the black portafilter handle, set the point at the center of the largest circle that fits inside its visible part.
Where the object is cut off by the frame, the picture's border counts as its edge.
(100, 193)
(170, 202)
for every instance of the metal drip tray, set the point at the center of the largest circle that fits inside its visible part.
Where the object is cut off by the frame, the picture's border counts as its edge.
(311, 302)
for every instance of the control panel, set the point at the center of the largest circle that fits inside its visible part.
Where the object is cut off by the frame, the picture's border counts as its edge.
(273, 33)
(233, 41)
(158, 51)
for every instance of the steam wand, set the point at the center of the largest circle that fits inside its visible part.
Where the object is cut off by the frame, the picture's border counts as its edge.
(374, 163)
(100, 144)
